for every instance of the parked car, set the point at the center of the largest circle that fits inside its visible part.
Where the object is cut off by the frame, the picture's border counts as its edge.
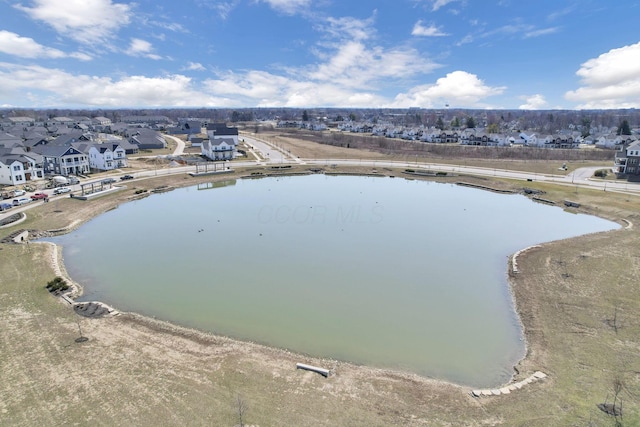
(17, 193)
(5, 206)
(125, 177)
(61, 190)
(21, 201)
(39, 196)
(108, 181)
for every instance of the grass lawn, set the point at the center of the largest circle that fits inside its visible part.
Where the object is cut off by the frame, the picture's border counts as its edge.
(578, 299)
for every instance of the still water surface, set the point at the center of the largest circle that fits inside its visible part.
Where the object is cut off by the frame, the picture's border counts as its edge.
(392, 273)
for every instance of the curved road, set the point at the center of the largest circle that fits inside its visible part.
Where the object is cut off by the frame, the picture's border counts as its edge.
(579, 178)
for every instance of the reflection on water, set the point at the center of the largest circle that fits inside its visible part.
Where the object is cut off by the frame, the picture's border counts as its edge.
(401, 274)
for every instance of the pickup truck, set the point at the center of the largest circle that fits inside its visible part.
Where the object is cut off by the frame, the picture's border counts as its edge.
(39, 196)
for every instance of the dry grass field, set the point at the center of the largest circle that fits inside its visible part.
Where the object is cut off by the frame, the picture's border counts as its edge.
(578, 299)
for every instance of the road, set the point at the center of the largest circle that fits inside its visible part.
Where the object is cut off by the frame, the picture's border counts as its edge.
(267, 152)
(579, 178)
(179, 145)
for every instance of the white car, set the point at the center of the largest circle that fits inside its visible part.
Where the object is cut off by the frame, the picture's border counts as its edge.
(21, 201)
(18, 193)
(61, 190)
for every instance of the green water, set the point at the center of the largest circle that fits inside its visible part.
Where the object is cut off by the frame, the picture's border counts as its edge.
(391, 273)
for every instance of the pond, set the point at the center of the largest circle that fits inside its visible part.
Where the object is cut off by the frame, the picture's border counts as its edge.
(392, 273)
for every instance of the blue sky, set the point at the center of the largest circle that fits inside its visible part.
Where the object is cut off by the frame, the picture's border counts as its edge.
(507, 54)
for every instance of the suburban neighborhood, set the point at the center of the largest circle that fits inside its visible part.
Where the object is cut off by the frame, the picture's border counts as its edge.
(33, 150)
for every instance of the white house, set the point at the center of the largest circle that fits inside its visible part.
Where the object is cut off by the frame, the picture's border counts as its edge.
(107, 156)
(222, 143)
(17, 168)
(219, 149)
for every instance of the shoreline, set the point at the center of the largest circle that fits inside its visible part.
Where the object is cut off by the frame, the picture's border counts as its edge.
(144, 371)
(77, 291)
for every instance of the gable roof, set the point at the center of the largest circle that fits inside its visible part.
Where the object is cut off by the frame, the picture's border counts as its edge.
(55, 150)
(221, 129)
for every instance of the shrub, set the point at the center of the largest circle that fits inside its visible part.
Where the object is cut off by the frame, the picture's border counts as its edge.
(57, 284)
(601, 173)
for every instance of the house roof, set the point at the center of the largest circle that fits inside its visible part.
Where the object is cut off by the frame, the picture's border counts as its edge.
(70, 138)
(9, 155)
(55, 150)
(221, 129)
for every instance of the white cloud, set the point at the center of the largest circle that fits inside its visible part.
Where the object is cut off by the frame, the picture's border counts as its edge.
(289, 7)
(355, 65)
(194, 66)
(268, 90)
(612, 80)
(86, 21)
(466, 39)
(347, 28)
(430, 31)
(540, 32)
(53, 87)
(143, 48)
(437, 4)
(459, 89)
(25, 47)
(533, 102)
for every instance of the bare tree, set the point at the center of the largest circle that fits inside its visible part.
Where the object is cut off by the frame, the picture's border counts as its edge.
(614, 409)
(242, 409)
(613, 322)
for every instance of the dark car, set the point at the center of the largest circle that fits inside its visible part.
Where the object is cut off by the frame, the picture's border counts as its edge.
(125, 177)
(5, 206)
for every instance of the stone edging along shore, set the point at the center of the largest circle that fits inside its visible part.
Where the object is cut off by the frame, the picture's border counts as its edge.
(88, 308)
(514, 258)
(538, 375)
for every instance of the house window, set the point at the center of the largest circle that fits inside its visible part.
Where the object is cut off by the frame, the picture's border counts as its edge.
(16, 168)
(19, 178)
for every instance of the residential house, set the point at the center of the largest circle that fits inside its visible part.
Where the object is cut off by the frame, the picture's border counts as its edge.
(147, 139)
(219, 149)
(196, 141)
(627, 160)
(447, 136)
(561, 141)
(63, 159)
(101, 121)
(222, 144)
(189, 126)
(22, 121)
(220, 130)
(106, 156)
(61, 121)
(19, 167)
(9, 140)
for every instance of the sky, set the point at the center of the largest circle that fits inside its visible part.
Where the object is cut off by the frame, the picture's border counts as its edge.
(476, 54)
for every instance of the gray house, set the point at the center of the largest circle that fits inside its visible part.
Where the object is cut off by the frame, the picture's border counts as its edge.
(63, 159)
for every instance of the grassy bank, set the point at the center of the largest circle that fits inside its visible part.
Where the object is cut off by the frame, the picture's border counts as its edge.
(578, 299)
